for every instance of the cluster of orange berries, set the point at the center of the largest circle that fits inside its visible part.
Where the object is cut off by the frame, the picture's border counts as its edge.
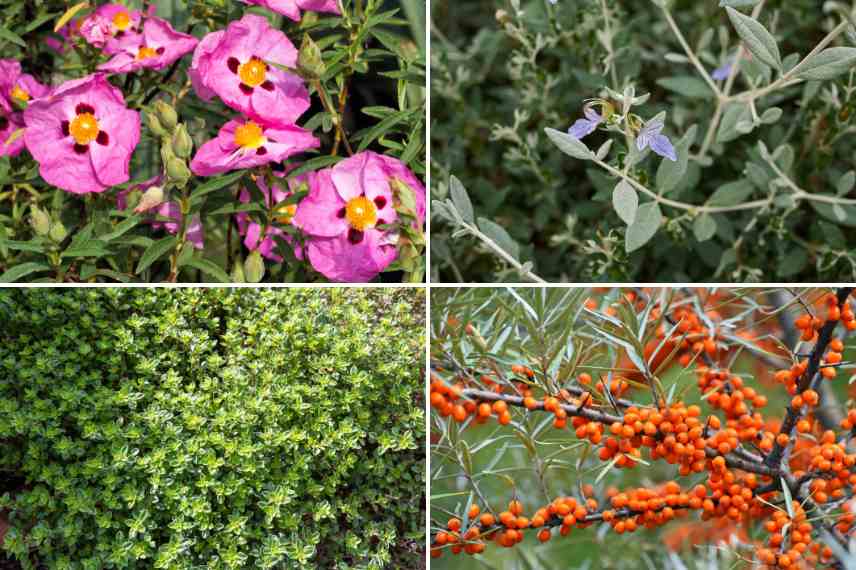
(809, 325)
(727, 392)
(831, 458)
(796, 534)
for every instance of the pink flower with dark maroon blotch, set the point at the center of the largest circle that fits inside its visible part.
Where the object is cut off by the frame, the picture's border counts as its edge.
(16, 88)
(235, 65)
(246, 143)
(171, 210)
(343, 215)
(284, 216)
(110, 23)
(157, 47)
(82, 135)
(291, 8)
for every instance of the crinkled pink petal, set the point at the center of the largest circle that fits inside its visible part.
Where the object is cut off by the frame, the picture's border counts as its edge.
(71, 171)
(361, 174)
(252, 230)
(201, 60)
(32, 86)
(282, 105)
(157, 35)
(287, 8)
(112, 160)
(340, 260)
(331, 6)
(397, 169)
(8, 125)
(319, 212)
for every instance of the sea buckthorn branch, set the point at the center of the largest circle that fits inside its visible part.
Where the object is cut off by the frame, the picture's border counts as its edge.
(809, 487)
(793, 414)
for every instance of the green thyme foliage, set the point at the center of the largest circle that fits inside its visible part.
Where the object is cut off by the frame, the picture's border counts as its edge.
(217, 429)
(763, 185)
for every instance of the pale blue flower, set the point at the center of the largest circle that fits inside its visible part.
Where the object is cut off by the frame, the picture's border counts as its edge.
(722, 72)
(583, 127)
(650, 136)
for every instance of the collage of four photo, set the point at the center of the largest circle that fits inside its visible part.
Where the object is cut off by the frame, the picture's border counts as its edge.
(381, 284)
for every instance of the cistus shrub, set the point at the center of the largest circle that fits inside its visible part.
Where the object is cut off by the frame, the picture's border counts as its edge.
(212, 141)
(660, 428)
(213, 428)
(650, 140)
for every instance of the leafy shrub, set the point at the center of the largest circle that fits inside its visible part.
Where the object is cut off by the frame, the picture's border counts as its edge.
(175, 140)
(756, 97)
(213, 428)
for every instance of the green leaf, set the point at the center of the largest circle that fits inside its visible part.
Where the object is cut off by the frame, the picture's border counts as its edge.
(35, 245)
(845, 183)
(569, 145)
(461, 200)
(704, 227)
(734, 113)
(757, 39)
(731, 193)
(209, 268)
(313, 164)
(625, 200)
(670, 173)
(687, 86)
(122, 228)
(738, 3)
(827, 64)
(22, 270)
(644, 226)
(155, 252)
(499, 236)
(10, 36)
(92, 248)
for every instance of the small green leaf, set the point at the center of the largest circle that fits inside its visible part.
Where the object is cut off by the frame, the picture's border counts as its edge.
(757, 39)
(704, 227)
(499, 236)
(671, 172)
(625, 200)
(644, 226)
(209, 268)
(687, 85)
(827, 64)
(731, 193)
(155, 252)
(11, 36)
(569, 145)
(22, 270)
(461, 200)
(215, 184)
(845, 183)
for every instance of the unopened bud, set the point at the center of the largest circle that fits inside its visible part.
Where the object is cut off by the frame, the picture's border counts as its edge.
(155, 125)
(58, 232)
(40, 220)
(310, 60)
(177, 171)
(166, 115)
(254, 267)
(152, 197)
(182, 144)
(238, 272)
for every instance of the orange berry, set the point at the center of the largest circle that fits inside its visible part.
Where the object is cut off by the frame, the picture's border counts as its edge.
(454, 524)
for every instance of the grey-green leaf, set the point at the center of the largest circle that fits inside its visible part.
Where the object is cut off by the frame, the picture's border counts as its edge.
(644, 226)
(845, 183)
(625, 201)
(461, 200)
(499, 236)
(687, 86)
(827, 64)
(758, 40)
(568, 144)
(704, 227)
(731, 193)
(670, 173)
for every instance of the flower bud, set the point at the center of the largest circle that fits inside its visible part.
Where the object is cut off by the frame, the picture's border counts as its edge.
(40, 220)
(310, 60)
(254, 267)
(155, 125)
(154, 196)
(182, 144)
(238, 272)
(177, 171)
(58, 232)
(166, 115)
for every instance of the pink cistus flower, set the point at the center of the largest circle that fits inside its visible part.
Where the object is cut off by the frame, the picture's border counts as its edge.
(246, 143)
(157, 47)
(342, 214)
(109, 23)
(82, 135)
(284, 216)
(291, 8)
(171, 210)
(234, 64)
(16, 90)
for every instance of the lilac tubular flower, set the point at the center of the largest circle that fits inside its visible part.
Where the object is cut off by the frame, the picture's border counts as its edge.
(583, 127)
(722, 72)
(650, 136)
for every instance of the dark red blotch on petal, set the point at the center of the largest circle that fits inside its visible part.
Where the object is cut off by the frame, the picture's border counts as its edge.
(233, 64)
(341, 213)
(380, 202)
(103, 138)
(355, 236)
(81, 148)
(84, 108)
(65, 131)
